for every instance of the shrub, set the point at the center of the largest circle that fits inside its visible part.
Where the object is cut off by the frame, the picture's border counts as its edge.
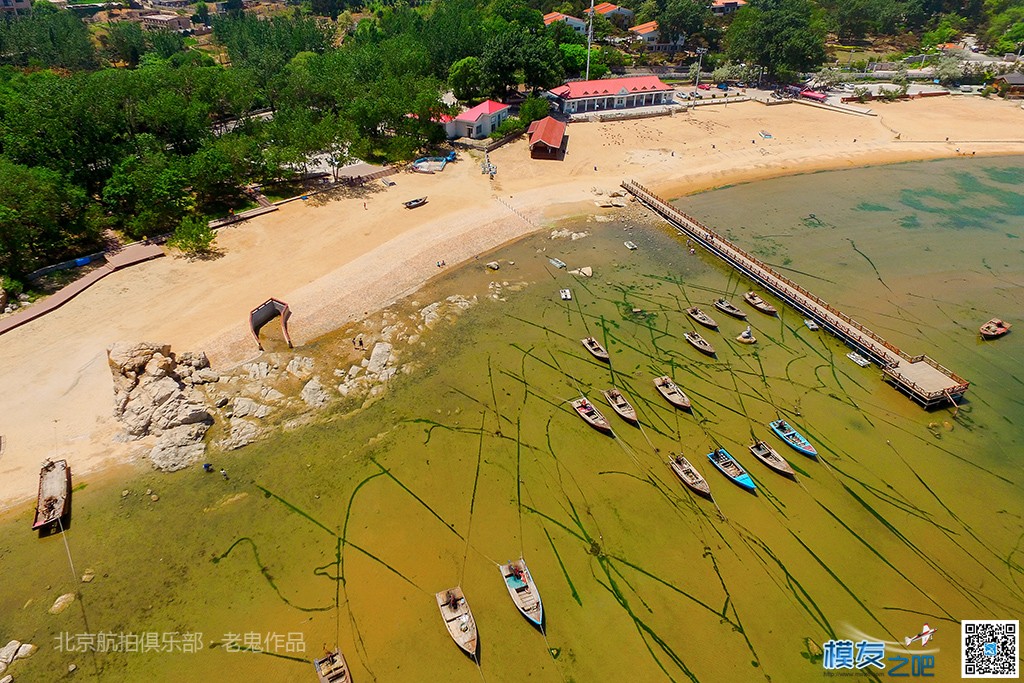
(193, 236)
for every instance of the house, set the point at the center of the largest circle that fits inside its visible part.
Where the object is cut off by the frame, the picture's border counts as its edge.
(476, 123)
(620, 16)
(171, 4)
(15, 6)
(547, 138)
(722, 7)
(167, 22)
(1012, 83)
(650, 37)
(575, 24)
(612, 93)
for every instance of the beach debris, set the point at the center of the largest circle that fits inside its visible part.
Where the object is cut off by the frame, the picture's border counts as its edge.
(72, 668)
(585, 271)
(88, 576)
(493, 265)
(59, 605)
(299, 366)
(313, 393)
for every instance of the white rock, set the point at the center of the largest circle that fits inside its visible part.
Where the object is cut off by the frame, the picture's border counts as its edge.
(313, 394)
(25, 651)
(3, 668)
(246, 407)
(243, 433)
(257, 370)
(379, 358)
(493, 265)
(353, 371)
(179, 447)
(205, 376)
(430, 314)
(271, 394)
(59, 605)
(300, 366)
(8, 651)
(7, 679)
(587, 271)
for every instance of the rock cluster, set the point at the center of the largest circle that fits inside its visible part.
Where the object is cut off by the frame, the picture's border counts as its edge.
(12, 652)
(155, 393)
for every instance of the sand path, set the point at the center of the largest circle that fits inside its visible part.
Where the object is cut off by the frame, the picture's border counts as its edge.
(335, 261)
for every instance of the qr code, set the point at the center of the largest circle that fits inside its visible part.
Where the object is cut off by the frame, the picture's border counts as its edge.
(990, 648)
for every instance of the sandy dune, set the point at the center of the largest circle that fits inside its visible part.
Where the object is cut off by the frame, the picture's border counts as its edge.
(334, 260)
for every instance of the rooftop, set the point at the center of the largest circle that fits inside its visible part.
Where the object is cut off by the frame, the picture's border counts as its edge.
(606, 7)
(485, 108)
(552, 17)
(548, 131)
(645, 28)
(610, 86)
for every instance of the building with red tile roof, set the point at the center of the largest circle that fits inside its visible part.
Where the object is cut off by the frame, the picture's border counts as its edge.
(620, 16)
(478, 122)
(650, 36)
(546, 138)
(575, 24)
(723, 7)
(612, 93)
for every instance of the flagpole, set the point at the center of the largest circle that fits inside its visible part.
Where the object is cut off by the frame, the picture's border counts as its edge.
(590, 37)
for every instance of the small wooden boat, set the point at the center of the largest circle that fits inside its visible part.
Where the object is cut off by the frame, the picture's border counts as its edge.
(566, 294)
(671, 392)
(769, 456)
(760, 304)
(727, 308)
(620, 405)
(332, 668)
(557, 263)
(746, 337)
(811, 325)
(595, 348)
(858, 359)
(700, 343)
(630, 245)
(413, 203)
(792, 437)
(689, 476)
(54, 498)
(523, 590)
(994, 328)
(458, 619)
(702, 317)
(728, 466)
(591, 415)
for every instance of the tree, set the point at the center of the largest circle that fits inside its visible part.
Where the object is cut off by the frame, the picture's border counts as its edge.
(574, 58)
(202, 15)
(126, 42)
(648, 11)
(949, 70)
(533, 109)
(193, 236)
(783, 35)
(466, 78)
(165, 44)
(542, 63)
(147, 193)
(325, 8)
(501, 60)
(682, 18)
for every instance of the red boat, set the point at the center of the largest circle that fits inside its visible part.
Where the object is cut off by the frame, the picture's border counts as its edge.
(994, 328)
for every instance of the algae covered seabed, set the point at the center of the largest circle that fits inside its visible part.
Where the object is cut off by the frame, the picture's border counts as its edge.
(340, 532)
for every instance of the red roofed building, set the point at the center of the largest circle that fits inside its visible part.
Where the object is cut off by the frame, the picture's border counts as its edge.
(651, 37)
(577, 25)
(478, 122)
(620, 16)
(723, 7)
(546, 138)
(612, 93)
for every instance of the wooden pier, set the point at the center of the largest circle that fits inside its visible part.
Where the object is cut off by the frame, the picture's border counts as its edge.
(919, 377)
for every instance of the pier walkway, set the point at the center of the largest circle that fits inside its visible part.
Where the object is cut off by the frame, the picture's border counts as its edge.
(920, 377)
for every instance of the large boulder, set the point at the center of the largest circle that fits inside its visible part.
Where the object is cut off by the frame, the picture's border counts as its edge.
(8, 651)
(128, 360)
(179, 447)
(379, 358)
(313, 394)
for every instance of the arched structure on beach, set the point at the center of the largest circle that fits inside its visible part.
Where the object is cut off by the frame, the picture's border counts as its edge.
(264, 313)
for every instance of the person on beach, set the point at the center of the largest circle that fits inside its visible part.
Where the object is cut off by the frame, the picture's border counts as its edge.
(224, 473)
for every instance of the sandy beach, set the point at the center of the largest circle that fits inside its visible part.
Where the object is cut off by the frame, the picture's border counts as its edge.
(334, 260)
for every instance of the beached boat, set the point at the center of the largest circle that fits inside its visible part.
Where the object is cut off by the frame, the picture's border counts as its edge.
(858, 359)
(413, 203)
(690, 476)
(700, 343)
(994, 328)
(792, 437)
(332, 668)
(595, 348)
(630, 245)
(671, 392)
(523, 590)
(727, 308)
(746, 337)
(702, 317)
(811, 325)
(769, 456)
(760, 304)
(591, 415)
(620, 405)
(557, 263)
(54, 493)
(727, 465)
(458, 619)
(566, 294)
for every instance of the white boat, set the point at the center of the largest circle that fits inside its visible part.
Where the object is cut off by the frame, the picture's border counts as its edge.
(557, 263)
(811, 325)
(566, 294)
(630, 245)
(858, 359)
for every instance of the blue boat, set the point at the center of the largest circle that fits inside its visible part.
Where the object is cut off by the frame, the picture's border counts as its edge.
(728, 466)
(523, 591)
(793, 438)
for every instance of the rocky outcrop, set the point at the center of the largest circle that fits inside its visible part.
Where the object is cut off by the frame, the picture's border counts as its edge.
(8, 651)
(313, 394)
(300, 366)
(155, 394)
(243, 433)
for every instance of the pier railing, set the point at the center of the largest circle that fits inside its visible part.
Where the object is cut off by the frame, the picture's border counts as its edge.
(885, 354)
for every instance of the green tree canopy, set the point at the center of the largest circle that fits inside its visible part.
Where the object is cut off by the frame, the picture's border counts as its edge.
(466, 78)
(783, 35)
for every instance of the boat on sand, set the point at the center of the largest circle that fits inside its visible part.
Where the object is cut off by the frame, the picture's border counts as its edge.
(458, 619)
(413, 203)
(54, 499)
(523, 591)
(591, 415)
(620, 405)
(700, 343)
(994, 328)
(672, 393)
(760, 304)
(332, 668)
(702, 317)
(690, 476)
(793, 438)
(727, 308)
(728, 466)
(769, 456)
(595, 348)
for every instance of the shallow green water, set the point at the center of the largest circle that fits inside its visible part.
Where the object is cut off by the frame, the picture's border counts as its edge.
(341, 532)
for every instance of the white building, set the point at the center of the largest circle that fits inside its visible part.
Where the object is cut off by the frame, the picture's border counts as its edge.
(620, 16)
(612, 93)
(575, 24)
(722, 7)
(650, 36)
(476, 123)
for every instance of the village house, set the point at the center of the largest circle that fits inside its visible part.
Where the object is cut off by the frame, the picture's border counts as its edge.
(612, 93)
(1013, 83)
(167, 22)
(620, 16)
(15, 6)
(547, 138)
(476, 123)
(722, 7)
(649, 35)
(575, 24)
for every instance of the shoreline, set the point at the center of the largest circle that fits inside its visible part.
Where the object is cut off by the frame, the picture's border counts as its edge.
(336, 262)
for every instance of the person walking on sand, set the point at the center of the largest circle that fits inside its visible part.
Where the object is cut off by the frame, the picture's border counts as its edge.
(224, 473)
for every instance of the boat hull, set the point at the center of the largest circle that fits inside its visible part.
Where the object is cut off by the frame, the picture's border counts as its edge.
(595, 348)
(54, 499)
(332, 668)
(672, 393)
(458, 619)
(760, 304)
(699, 343)
(729, 309)
(994, 329)
(591, 415)
(793, 438)
(523, 592)
(771, 458)
(727, 465)
(616, 400)
(690, 476)
(702, 317)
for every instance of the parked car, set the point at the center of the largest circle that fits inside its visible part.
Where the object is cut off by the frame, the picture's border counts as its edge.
(704, 86)
(722, 86)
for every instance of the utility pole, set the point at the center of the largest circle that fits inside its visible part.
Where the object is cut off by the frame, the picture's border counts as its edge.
(590, 37)
(701, 51)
